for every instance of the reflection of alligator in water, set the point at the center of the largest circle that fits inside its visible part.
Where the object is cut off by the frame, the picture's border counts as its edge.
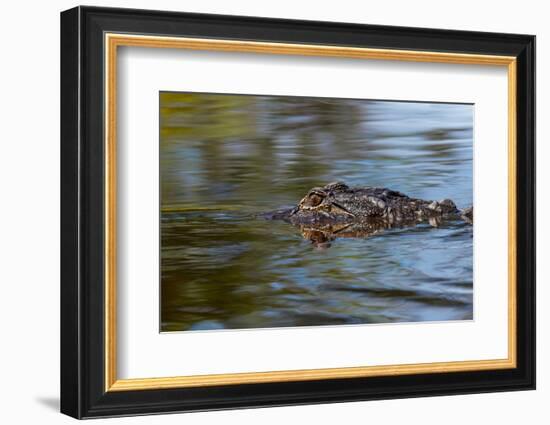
(337, 210)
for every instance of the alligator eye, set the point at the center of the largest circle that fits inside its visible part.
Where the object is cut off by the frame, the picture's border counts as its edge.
(314, 199)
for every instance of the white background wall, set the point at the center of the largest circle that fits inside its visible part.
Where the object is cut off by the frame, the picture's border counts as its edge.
(29, 213)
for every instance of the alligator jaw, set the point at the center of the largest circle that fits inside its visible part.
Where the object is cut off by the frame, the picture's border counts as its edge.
(294, 211)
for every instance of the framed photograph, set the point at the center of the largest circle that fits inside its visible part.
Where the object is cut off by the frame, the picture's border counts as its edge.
(261, 212)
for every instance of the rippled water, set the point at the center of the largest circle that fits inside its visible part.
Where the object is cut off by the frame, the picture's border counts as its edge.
(224, 159)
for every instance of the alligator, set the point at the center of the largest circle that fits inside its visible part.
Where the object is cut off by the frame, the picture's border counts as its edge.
(337, 210)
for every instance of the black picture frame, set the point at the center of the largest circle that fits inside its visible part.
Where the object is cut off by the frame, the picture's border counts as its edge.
(83, 392)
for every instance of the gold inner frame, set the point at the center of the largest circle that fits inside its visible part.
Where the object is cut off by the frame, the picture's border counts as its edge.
(113, 41)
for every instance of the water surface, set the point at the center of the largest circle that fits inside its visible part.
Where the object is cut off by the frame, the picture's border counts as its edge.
(226, 158)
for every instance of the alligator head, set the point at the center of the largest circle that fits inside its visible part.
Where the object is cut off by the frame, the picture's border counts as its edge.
(336, 210)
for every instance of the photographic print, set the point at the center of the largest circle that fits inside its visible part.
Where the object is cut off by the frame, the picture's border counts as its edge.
(285, 211)
(309, 229)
